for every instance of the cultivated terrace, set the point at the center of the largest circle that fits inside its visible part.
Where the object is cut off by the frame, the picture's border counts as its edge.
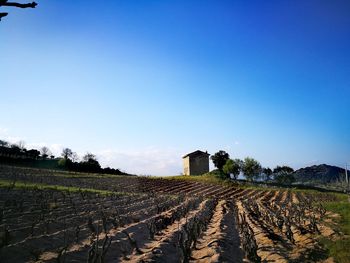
(50, 216)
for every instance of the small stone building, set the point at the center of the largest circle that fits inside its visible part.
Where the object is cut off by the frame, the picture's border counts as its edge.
(196, 163)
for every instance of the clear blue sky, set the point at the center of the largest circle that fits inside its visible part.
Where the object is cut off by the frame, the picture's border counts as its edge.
(141, 83)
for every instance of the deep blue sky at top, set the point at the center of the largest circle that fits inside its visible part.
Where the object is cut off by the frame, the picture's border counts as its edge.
(268, 79)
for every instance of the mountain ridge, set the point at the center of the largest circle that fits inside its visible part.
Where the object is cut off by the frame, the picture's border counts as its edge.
(320, 173)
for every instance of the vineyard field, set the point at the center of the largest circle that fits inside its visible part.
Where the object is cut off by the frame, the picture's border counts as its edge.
(57, 217)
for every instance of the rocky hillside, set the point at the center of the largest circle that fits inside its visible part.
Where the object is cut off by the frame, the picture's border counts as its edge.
(320, 173)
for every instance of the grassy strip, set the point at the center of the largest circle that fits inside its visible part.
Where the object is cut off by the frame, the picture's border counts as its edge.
(63, 173)
(85, 175)
(339, 249)
(72, 189)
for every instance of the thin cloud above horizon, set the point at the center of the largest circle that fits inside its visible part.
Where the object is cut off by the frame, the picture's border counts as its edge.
(150, 161)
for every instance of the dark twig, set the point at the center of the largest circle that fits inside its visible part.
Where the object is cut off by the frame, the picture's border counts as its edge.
(3, 15)
(31, 5)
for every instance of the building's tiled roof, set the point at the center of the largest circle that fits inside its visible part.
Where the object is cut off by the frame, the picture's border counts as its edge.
(196, 153)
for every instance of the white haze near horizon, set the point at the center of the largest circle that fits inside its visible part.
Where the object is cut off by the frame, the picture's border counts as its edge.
(147, 161)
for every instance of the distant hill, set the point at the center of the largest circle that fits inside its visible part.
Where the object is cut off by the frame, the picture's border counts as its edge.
(320, 173)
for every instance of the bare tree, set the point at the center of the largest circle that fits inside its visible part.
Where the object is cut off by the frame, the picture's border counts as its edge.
(15, 4)
(66, 153)
(75, 157)
(45, 152)
(88, 157)
(21, 145)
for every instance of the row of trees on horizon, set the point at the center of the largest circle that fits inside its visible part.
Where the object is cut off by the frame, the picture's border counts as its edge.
(17, 153)
(251, 169)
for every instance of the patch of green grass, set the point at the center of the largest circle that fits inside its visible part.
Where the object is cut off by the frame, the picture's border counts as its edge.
(64, 173)
(343, 209)
(339, 249)
(68, 174)
(24, 185)
(82, 175)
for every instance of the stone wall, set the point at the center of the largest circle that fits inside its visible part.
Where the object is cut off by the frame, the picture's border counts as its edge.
(196, 165)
